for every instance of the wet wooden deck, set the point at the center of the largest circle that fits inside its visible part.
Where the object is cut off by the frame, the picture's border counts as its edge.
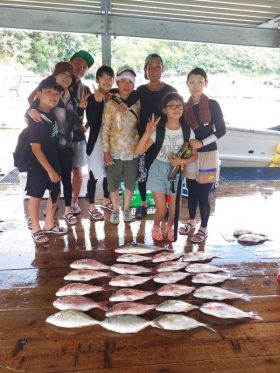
(30, 276)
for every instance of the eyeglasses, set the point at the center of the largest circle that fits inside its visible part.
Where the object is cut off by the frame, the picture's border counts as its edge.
(174, 107)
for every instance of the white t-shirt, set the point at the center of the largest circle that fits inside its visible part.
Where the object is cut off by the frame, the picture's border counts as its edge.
(172, 142)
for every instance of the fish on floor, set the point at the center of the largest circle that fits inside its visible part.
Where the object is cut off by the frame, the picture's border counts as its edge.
(199, 267)
(177, 322)
(138, 249)
(173, 305)
(71, 319)
(170, 277)
(240, 231)
(128, 295)
(84, 275)
(78, 288)
(170, 266)
(129, 308)
(133, 258)
(210, 278)
(125, 324)
(199, 257)
(78, 303)
(252, 239)
(89, 264)
(225, 311)
(129, 280)
(174, 290)
(129, 269)
(166, 256)
(213, 292)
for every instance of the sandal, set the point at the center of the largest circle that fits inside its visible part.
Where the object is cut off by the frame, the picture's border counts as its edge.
(56, 230)
(96, 215)
(39, 237)
(157, 234)
(170, 234)
(70, 218)
(186, 229)
(108, 206)
(199, 236)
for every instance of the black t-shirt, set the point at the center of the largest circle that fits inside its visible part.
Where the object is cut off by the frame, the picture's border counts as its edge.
(150, 102)
(46, 134)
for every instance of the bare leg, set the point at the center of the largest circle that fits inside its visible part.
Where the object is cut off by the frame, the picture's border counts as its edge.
(172, 203)
(127, 198)
(33, 209)
(77, 181)
(115, 200)
(160, 201)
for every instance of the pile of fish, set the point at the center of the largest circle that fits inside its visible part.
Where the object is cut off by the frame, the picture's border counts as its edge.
(166, 267)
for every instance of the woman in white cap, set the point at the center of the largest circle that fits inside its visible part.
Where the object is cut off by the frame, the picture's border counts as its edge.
(119, 138)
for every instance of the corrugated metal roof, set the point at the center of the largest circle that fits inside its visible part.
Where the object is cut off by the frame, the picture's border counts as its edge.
(226, 12)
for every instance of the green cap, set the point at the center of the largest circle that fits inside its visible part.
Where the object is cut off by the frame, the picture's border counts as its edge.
(85, 56)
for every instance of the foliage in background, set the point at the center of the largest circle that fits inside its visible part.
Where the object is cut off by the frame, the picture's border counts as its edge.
(39, 51)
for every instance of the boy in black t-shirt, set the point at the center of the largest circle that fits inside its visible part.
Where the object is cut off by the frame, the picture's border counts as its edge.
(43, 172)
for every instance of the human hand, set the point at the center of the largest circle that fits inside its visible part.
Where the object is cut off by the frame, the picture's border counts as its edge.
(84, 100)
(174, 160)
(54, 177)
(35, 115)
(82, 128)
(152, 124)
(122, 107)
(108, 160)
(196, 144)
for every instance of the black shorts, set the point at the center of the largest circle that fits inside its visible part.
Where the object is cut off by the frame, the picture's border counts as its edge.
(38, 182)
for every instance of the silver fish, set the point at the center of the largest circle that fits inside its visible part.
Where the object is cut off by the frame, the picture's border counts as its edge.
(175, 306)
(170, 277)
(88, 264)
(213, 292)
(199, 267)
(170, 266)
(177, 322)
(225, 311)
(199, 257)
(174, 290)
(129, 308)
(138, 249)
(132, 258)
(240, 231)
(129, 280)
(129, 269)
(71, 319)
(125, 323)
(124, 295)
(166, 256)
(77, 288)
(78, 303)
(84, 275)
(210, 278)
(252, 238)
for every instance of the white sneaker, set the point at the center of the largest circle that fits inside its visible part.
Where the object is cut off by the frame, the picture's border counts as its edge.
(115, 218)
(127, 216)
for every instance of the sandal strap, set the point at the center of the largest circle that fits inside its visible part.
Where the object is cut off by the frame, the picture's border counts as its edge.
(70, 218)
(96, 215)
(201, 235)
(39, 234)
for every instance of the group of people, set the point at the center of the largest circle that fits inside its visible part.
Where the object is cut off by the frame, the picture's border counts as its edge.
(134, 136)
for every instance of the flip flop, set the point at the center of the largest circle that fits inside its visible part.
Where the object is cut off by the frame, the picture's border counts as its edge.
(186, 229)
(199, 236)
(39, 237)
(56, 230)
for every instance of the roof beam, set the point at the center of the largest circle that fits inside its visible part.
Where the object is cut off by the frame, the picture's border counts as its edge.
(113, 25)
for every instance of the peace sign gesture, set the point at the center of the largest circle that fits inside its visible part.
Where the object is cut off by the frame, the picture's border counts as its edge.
(84, 100)
(97, 94)
(152, 124)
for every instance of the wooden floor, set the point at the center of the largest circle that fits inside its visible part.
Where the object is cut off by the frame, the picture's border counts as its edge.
(30, 276)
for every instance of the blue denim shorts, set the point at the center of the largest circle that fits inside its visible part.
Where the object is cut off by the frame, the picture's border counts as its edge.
(158, 178)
